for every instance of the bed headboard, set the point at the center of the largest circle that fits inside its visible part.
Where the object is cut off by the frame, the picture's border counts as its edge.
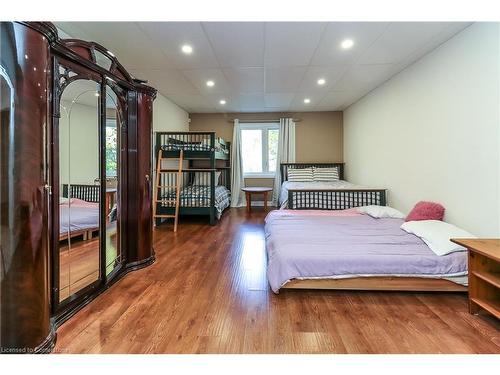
(89, 193)
(286, 166)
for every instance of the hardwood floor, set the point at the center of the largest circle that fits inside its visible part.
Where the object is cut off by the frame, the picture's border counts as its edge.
(207, 293)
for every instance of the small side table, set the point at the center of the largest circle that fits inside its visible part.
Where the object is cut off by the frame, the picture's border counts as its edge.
(484, 274)
(249, 191)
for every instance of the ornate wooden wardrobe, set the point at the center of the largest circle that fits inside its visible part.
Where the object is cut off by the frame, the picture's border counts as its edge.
(75, 189)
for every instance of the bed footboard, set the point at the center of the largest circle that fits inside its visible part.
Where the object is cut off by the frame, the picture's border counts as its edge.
(338, 199)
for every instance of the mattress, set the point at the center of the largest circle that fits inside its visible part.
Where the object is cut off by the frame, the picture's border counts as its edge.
(176, 145)
(199, 196)
(78, 215)
(313, 185)
(311, 244)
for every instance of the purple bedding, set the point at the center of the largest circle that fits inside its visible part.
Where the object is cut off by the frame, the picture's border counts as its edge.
(84, 215)
(316, 244)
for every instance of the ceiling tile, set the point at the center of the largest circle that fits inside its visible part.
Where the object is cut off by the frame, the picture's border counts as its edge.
(364, 77)
(168, 81)
(291, 43)
(298, 101)
(331, 74)
(245, 80)
(169, 38)
(192, 103)
(237, 44)
(199, 78)
(399, 40)
(363, 34)
(282, 100)
(284, 79)
(340, 99)
(251, 102)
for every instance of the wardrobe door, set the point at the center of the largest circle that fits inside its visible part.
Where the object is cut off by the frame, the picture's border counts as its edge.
(24, 114)
(114, 152)
(144, 168)
(79, 173)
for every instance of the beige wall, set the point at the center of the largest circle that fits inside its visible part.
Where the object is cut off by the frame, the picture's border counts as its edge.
(318, 135)
(432, 132)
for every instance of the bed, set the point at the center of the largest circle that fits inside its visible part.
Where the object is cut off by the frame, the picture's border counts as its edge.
(78, 218)
(325, 195)
(319, 249)
(199, 196)
(205, 177)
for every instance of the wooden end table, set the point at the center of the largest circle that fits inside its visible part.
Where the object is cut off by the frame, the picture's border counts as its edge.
(484, 274)
(249, 191)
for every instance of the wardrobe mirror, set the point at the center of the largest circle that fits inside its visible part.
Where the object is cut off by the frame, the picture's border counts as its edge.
(113, 165)
(79, 179)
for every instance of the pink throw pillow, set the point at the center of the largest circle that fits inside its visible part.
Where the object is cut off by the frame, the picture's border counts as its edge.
(426, 211)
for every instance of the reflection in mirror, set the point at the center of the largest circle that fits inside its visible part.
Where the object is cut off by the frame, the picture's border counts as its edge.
(79, 218)
(112, 162)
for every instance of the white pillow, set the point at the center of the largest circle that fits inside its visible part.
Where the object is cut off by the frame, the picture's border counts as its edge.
(436, 234)
(300, 175)
(381, 212)
(326, 174)
(63, 200)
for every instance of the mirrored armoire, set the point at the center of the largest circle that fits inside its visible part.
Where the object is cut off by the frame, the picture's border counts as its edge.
(75, 189)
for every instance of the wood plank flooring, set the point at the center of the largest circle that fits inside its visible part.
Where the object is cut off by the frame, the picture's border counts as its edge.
(208, 293)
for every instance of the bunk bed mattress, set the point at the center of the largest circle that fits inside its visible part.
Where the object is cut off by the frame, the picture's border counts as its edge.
(77, 216)
(199, 196)
(314, 185)
(192, 146)
(312, 244)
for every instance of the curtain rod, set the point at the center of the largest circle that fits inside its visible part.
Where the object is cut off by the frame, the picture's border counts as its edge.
(249, 121)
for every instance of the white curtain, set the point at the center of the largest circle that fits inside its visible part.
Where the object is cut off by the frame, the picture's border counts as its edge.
(286, 152)
(237, 182)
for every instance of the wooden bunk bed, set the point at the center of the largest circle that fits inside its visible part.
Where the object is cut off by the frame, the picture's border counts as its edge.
(205, 181)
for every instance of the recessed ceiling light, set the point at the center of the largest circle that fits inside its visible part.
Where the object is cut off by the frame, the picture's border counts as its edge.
(347, 43)
(222, 102)
(307, 100)
(210, 83)
(321, 81)
(187, 49)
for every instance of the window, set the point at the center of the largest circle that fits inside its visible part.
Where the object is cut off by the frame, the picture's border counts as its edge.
(111, 148)
(259, 149)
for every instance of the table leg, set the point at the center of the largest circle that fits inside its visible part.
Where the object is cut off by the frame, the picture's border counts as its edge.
(265, 201)
(249, 198)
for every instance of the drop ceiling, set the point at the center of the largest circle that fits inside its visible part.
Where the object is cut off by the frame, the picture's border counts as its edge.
(265, 66)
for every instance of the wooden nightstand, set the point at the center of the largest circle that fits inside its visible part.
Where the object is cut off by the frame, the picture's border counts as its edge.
(484, 274)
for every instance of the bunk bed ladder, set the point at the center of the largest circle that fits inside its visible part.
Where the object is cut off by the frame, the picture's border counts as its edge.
(159, 187)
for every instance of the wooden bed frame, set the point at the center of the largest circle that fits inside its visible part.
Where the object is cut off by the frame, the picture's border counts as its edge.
(329, 199)
(382, 283)
(335, 199)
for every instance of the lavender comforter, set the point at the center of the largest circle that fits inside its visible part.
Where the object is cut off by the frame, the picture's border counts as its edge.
(326, 244)
(82, 215)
